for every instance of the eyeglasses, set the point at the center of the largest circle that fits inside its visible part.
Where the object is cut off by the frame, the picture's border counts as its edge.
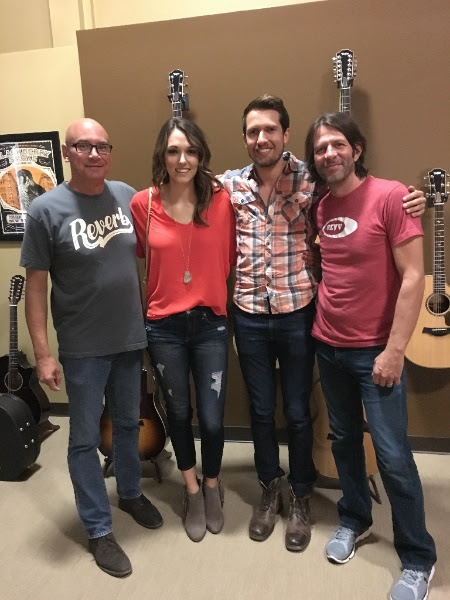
(86, 148)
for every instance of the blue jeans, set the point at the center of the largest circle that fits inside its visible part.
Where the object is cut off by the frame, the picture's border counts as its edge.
(193, 341)
(260, 341)
(346, 378)
(87, 381)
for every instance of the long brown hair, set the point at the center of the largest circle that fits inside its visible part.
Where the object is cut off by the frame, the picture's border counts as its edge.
(204, 180)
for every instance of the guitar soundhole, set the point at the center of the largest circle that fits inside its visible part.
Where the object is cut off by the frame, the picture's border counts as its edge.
(438, 304)
(13, 381)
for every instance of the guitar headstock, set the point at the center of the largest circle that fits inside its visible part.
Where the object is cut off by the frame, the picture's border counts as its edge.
(344, 68)
(176, 93)
(16, 289)
(437, 182)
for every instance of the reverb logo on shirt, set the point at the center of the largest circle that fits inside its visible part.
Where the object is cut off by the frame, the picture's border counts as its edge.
(339, 227)
(99, 232)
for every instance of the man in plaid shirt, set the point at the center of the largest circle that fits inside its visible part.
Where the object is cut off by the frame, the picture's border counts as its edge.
(274, 310)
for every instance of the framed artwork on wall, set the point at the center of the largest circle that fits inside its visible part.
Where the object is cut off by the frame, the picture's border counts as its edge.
(30, 164)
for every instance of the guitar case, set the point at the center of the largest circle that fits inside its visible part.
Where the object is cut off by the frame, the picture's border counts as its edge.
(19, 445)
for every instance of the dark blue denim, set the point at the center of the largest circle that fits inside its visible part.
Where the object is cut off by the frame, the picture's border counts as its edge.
(86, 382)
(260, 341)
(346, 378)
(194, 341)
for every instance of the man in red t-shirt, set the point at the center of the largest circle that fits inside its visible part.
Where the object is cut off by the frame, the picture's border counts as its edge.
(368, 303)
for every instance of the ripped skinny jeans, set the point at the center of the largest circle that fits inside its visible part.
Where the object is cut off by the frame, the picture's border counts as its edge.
(194, 341)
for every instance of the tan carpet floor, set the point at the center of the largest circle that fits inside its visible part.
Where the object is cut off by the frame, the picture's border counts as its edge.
(44, 552)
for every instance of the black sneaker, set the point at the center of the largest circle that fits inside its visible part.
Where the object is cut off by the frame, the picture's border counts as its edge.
(142, 511)
(109, 556)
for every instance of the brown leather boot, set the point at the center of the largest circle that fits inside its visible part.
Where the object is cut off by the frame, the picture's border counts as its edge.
(263, 520)
(298, 531)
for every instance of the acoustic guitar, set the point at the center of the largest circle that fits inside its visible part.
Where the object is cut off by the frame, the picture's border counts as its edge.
(429, 345)
(344, 75)
(152, 422)
(176, 93)
(17, 376)
(153, 433)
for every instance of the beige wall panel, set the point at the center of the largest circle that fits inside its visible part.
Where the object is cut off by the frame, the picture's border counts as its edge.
(65, 21)
(43, 94)
(24, 25)
(108, 13)
(400, 99)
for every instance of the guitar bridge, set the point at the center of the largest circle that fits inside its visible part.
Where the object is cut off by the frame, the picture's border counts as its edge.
(437, 331)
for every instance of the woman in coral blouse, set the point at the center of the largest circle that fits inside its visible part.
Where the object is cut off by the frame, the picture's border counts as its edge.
(192, 243)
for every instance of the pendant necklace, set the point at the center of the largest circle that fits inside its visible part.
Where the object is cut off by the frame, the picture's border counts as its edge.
(187, 278)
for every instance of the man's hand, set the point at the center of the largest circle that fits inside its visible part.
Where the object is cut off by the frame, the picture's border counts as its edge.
(313, 262)
(415, 202)
(48, 372)
(388, 367)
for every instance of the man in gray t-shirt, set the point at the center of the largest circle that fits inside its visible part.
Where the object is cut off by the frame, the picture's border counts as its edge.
(81, 233)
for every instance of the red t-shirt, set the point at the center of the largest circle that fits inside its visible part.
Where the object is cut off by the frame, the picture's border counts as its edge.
(212, 250)
(360, 281)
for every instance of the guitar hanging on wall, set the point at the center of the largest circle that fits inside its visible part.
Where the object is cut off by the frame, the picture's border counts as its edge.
(153, 433)
(176, 93)
(17, 376)
(429, 345)
(344, 75)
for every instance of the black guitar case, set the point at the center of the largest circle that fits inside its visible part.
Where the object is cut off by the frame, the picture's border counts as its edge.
(19, 445)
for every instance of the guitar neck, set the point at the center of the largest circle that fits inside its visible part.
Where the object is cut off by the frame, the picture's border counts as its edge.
(345, 100)
(177, 110)
(13, 339)
(439, 250)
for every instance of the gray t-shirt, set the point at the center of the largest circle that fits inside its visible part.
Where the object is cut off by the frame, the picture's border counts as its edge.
(88, 245)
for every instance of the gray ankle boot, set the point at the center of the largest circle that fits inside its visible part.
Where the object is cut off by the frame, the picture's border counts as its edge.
(194, 515)
(213, 506)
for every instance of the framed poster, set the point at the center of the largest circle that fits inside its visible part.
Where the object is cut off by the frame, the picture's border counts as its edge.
(30, 164)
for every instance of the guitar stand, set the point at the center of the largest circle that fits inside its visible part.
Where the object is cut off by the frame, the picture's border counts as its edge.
(154, 460)
(106, 465)
(45, 429)
(374, 490)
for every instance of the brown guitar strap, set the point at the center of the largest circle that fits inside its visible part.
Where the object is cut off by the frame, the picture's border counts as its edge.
(144, 288)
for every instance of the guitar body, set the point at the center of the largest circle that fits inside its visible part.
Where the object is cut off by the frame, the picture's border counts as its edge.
(26, 387)
(429, 345)
(152, 422)
(425, 349)
(322, 453)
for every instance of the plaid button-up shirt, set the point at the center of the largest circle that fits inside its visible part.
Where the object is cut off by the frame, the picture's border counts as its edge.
(271, 276)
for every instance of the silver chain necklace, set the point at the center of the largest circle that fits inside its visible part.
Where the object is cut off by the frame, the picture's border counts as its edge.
(187, 278)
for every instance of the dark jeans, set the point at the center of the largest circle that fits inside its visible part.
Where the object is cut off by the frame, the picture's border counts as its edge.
(86, 380)
(346, 378)
(194, 341)
(260, 341)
